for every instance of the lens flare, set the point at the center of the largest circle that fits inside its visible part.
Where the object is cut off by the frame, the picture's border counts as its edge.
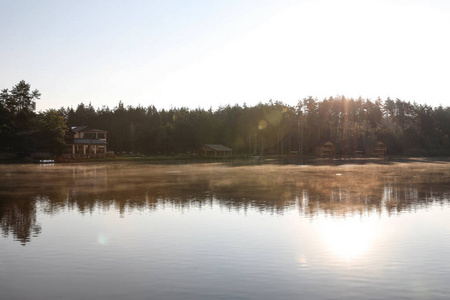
(262, 125)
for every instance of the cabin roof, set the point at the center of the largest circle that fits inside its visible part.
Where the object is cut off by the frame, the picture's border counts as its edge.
(218, 147)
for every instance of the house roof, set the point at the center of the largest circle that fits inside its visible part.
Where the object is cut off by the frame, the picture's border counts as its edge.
(84, 129)
(218, 147)
(77, 128)
(92, 130)
(88, 142)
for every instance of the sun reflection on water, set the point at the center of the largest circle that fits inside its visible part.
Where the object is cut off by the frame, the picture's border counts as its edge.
(350, 237)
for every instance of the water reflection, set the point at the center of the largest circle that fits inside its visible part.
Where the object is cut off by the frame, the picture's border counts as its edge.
(18, 217)
(348, 238)
(347, 192)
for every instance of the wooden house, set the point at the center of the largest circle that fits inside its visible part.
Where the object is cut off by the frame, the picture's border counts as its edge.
(380, 149)
(327, 149)
(82, 141)
(215, 150)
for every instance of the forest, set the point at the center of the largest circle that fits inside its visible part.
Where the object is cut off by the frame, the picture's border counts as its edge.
(272, 128)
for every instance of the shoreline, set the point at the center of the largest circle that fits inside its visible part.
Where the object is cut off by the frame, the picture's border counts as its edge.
(246, 160)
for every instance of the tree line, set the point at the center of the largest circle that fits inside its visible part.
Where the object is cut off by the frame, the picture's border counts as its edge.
(272, 128)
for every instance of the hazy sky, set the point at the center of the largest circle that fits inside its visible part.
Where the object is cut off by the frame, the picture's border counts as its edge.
(208, 53)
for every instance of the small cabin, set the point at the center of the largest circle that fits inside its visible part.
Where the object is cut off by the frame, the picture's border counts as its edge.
(215, 150)
(380, 149)
(358, 153)
(327, 149)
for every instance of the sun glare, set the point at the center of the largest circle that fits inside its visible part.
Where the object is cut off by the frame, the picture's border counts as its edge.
(321, 48)
(348, 238)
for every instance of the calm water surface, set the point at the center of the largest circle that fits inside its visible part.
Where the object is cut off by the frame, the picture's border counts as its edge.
(132, 231)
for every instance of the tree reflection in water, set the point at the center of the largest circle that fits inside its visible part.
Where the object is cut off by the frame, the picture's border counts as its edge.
(18, 217)
(343, 191)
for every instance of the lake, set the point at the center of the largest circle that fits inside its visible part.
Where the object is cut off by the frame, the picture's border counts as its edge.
(214, 231)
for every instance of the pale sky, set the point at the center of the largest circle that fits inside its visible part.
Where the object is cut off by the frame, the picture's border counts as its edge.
(209, 53)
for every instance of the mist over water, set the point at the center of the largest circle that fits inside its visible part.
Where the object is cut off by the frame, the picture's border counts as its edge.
(211, 231)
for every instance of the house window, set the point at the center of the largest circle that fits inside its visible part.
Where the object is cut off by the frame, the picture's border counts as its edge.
(101, 135)
(89, 135)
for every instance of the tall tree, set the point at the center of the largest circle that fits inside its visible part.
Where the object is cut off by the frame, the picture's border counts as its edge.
(17, 117)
